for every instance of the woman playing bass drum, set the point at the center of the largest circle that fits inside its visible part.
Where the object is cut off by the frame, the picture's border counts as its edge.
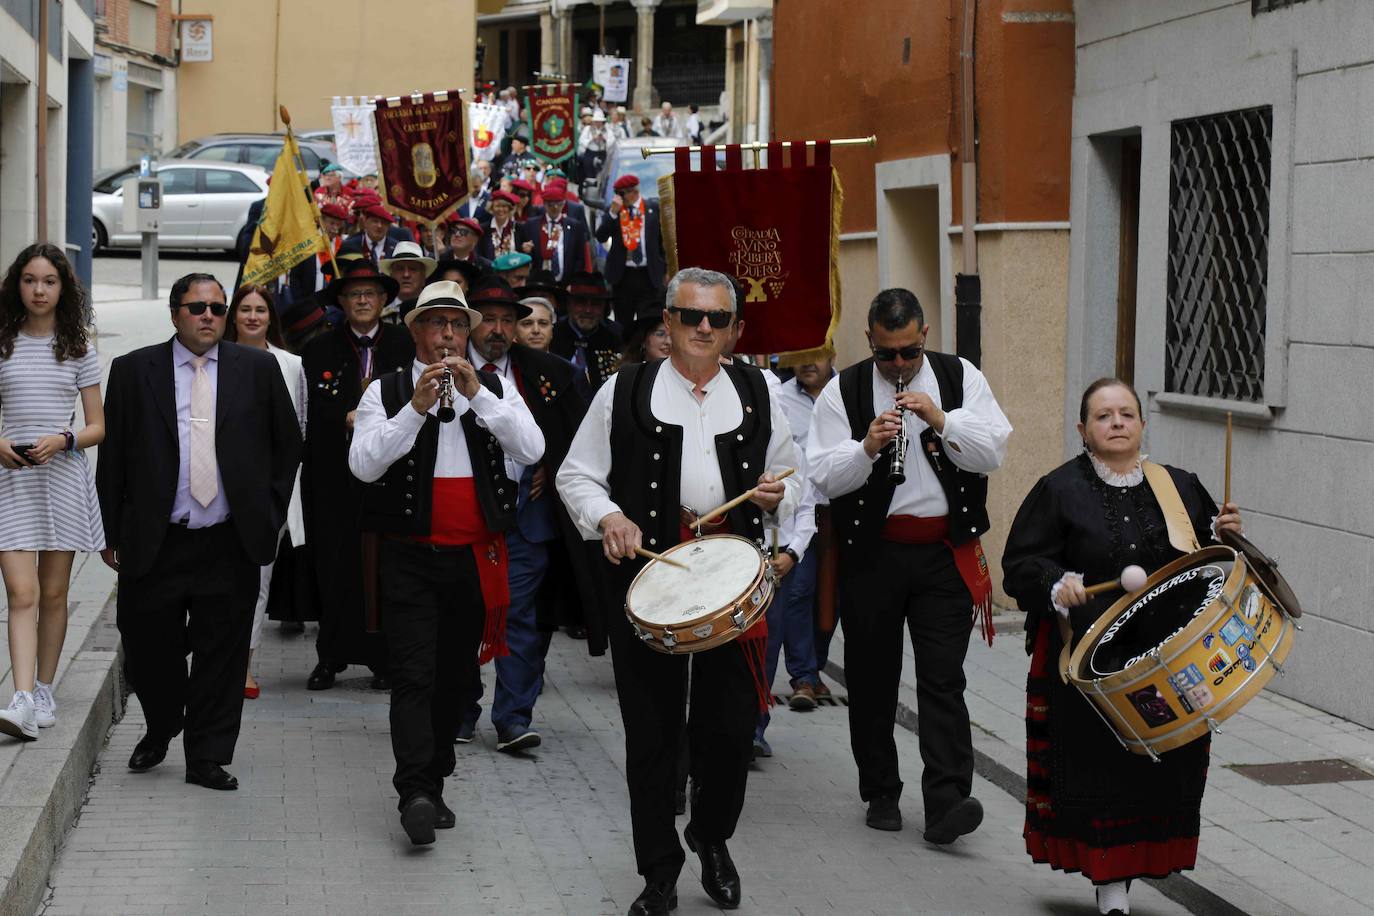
(1091, 805)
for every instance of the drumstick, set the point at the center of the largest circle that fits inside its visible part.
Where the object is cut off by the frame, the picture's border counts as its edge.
(743, 497)
(775, 543)
(660, 557)
(1132, 580)
(1226, 489)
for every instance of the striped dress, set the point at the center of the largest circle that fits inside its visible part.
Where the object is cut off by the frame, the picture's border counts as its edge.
(52, 506)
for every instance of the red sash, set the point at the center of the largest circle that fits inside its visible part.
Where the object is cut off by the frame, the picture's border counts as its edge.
(968, 558)
(456, 519)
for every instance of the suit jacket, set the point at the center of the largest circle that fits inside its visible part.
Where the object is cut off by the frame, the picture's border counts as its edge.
(608, 230)
(577, 247)
(299, 283)
(257, 448)
(357, 242)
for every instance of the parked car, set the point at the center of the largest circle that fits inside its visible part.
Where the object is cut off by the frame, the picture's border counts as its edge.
(204, 204)
(257, 149)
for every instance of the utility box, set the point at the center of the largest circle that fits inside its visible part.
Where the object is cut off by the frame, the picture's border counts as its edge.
(142, 204)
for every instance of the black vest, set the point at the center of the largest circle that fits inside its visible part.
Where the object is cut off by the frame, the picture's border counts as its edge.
(646, 472)
(400, 502)
(859, 516)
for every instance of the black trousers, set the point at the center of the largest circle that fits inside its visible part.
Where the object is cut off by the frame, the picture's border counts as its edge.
(720, 731)
(198, 598)
(433, 614)
(635, 291)
(916, 585)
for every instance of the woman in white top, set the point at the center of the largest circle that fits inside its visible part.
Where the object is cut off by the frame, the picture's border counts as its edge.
(48, 504)
(254, 323)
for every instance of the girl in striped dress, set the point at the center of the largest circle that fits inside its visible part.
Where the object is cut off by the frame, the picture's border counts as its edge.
(48, 507)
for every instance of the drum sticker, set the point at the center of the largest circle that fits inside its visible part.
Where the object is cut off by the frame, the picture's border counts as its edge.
(1235, 629)
(1208, 640)
(703, 631)
(1152, 706)
(1250, 603)
(1219, 662)
(1202, 697)
(1186, 677)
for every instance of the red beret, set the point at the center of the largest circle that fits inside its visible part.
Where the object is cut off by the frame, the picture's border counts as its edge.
(375, 208)
(338, 211)
(626, 181)
(469, 222)
(521, 184)
(506, 196)
(556, 193)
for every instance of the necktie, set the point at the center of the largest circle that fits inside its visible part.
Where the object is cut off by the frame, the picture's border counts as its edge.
(365, 357)
(556, 256)
(579, 357)
(204, 483)
(489, 367)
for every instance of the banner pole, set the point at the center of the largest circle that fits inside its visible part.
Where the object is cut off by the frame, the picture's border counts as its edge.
(305, 186)
(871, 140)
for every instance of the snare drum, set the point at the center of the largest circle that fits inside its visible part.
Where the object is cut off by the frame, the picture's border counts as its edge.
(1167, 663)
(726, 587)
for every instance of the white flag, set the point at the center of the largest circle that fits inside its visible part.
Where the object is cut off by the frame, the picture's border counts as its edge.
(613, 73)
(355, 138)
(487, 124)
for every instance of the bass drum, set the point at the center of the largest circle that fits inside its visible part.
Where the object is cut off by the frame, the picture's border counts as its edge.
(1166, 664)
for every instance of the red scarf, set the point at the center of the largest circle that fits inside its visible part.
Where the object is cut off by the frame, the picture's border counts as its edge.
(456, 518)
(632, 225)
(968, 558)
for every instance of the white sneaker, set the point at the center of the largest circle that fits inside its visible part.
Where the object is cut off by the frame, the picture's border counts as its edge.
(19, 719)
(44, 706)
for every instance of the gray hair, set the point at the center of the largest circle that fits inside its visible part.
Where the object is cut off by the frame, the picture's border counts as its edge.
(699, 276)
(541, 301)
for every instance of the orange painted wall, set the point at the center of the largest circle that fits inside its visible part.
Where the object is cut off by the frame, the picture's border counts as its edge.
(844, 76)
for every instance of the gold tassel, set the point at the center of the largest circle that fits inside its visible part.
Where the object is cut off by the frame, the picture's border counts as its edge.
(667, 225)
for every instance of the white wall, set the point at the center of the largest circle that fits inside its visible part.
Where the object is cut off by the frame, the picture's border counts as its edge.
(1303, 470)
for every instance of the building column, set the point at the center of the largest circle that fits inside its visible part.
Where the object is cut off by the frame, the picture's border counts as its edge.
(548, 42)
(80, 160)
(644, 55)
(565, 43)
(765, 64)
(18, 165)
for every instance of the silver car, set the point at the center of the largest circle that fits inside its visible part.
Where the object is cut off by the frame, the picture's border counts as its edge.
(204, 204)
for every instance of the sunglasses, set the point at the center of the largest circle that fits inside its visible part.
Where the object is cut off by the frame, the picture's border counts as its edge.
(693, 317)
(218, 309)
(888, 354)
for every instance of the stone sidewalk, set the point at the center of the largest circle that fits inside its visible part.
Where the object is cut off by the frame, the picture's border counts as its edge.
(1278, 850)
(313, 828)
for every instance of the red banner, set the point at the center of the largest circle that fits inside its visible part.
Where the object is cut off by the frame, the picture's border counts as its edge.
(774, 229)
(552, 121)
(422, 158)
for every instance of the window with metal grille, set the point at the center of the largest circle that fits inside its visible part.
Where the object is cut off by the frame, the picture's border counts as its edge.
(1218, 255)
(1265, 6)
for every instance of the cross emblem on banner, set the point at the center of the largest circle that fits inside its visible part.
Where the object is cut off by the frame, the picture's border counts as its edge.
(351, 124)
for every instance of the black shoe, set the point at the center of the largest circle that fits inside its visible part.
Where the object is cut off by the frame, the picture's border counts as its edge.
(719, 878)
(381, 682)
(516, 740)
(657, 899)
(445, 819)
(210, 775)
(963, 818)
(148, 754)
(322, 678)
(418, 819)
(884, 814)
(577, 632)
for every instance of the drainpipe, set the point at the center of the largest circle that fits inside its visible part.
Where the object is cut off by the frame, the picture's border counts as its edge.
(41, 147)
(968, 292)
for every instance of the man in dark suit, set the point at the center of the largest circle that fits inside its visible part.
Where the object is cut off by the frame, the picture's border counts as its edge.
(199, 459)
(554, 241)
(546, 384)
(583, 336)
(338, 365)
(634, 265)
(377, 240)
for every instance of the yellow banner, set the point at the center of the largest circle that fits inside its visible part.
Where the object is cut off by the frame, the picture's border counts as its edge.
(288, 232)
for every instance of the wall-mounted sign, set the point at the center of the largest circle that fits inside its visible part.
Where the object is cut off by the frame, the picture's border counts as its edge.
(197, 41)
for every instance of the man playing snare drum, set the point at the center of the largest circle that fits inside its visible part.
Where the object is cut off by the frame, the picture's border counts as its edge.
(663, 441)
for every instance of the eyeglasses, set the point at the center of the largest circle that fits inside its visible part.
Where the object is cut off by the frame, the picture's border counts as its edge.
(358, 295)
(888, 354)
(692, 317)
(439, 324)
(463, 233)
(218, 309)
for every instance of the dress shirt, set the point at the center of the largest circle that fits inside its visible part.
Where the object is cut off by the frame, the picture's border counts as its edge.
(584, 479)
(975, 438)
(380, 441)
(506, 371)
(548, 229)
(184, 506)
(797, 531)
(366, 356)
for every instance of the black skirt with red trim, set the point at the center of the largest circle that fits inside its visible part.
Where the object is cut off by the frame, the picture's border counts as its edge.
(1091, 805)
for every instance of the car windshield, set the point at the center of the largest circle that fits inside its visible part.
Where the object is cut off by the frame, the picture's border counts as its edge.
(649, 171)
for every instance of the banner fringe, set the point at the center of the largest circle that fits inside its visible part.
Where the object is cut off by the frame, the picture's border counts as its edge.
(826, 350)
(667, 225)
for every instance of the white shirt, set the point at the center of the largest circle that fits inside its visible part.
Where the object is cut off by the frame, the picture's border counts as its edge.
(975, 439)
(798, 531)
(583, 480)
(380, 441)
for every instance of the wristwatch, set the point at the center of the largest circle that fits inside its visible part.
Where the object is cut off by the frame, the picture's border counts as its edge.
(793, 554)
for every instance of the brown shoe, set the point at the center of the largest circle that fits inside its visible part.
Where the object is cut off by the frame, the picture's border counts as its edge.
(803, 697)
(821, 689)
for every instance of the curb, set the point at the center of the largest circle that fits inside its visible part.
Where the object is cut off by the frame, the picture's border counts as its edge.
(44, 788)
(1178, 887)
